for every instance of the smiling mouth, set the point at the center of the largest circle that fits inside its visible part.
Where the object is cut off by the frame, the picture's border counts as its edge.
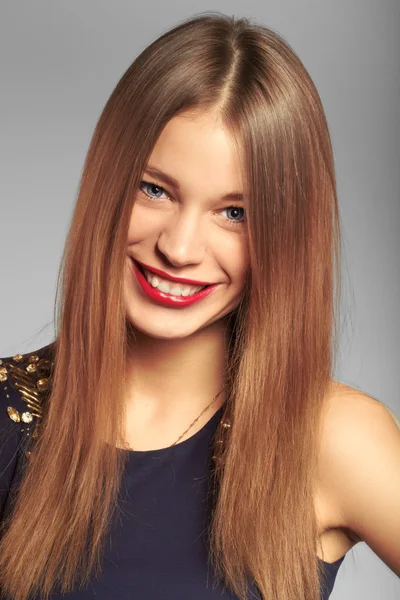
(168, 286)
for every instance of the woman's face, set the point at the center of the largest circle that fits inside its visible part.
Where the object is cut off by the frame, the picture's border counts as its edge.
(187, 228)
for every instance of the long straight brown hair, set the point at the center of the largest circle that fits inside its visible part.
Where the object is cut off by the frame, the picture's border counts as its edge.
(283, 347)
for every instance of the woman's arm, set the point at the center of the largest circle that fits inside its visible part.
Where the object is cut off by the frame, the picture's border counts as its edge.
(362, 458)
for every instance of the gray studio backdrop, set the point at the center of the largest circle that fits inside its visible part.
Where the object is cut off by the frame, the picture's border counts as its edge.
(60, 61)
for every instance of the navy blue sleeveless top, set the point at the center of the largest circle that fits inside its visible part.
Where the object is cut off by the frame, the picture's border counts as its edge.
(157, 545)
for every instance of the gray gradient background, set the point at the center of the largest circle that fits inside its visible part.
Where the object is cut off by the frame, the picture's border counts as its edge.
(59, 64)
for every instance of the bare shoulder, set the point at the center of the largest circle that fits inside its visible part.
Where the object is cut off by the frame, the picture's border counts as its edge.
(359, 469)
(345, 405)
(350, 413)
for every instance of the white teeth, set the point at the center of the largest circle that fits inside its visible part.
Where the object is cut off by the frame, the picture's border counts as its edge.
(152, 280)
(169, 287)
(176, 291)
(163, 287)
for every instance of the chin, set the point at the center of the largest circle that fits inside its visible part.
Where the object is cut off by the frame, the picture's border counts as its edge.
(172, 324)
(162, 330)
(165, 333)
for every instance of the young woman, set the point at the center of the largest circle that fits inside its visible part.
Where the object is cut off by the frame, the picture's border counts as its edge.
(182, 435)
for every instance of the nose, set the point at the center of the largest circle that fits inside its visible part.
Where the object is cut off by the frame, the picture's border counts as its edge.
(183, 240)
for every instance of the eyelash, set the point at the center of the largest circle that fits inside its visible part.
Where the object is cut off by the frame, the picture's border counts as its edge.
(234, 223)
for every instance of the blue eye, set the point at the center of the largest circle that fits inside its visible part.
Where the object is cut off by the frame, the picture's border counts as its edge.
(150, 185)
(236, 210)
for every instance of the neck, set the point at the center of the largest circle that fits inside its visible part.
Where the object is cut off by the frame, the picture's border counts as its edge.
(180, 376)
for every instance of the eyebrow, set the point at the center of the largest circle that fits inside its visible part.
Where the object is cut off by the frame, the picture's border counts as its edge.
(175, 183)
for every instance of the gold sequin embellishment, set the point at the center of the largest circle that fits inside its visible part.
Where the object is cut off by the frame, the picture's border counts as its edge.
(28, 374)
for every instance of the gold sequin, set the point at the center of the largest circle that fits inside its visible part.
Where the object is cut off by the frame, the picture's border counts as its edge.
(42, 384)
(13, 414)
(3, 374)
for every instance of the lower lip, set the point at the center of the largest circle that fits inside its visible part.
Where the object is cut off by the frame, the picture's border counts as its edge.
(168, 299)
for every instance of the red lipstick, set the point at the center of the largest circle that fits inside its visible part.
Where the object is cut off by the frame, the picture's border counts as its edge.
(168, 299)
(175, 279)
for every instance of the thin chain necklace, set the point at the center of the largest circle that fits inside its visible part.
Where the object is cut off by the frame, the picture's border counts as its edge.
(202, 412)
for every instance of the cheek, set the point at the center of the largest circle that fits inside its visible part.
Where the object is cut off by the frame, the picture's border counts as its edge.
(235, 258)
(144, 224)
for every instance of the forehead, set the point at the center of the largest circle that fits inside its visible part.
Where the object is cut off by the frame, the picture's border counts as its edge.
(197, 150)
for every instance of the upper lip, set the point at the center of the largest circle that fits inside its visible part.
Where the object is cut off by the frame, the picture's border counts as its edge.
(167, 276)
